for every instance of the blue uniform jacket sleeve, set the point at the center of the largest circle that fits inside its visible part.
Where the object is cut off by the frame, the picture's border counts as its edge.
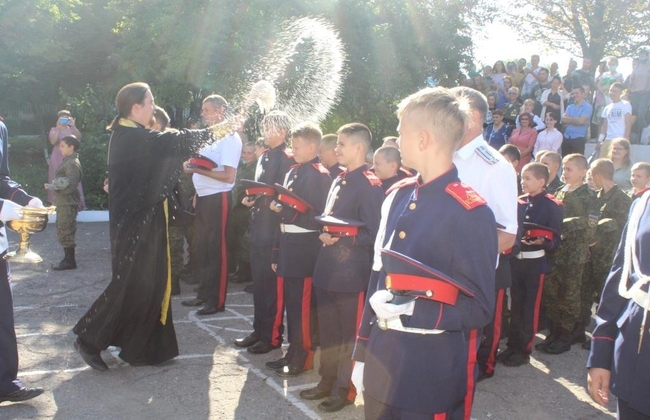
(609, 311)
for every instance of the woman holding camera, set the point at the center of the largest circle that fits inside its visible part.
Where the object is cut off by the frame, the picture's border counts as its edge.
(65, 126)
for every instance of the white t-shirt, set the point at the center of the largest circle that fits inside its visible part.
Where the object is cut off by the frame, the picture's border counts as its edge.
(492, 177)
(615, 113)
(225, 152)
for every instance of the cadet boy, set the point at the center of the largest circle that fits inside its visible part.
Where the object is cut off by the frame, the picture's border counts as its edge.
(620, 352)
(563, 286)
(297, 245)
(553, 161)
(387, 162)
(614, 208)
(640, 178)
(239, 219)
(327, 155)
(272, 166)
(66, 200)
(512, 155)
(540, 218)
(441, 234)
(343, 266)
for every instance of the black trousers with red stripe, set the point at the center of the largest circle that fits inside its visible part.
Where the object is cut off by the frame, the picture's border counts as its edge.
(339, 315)
(297, 302)
(268, 295)
(489, 347)
(210, 245)
(526, 295)
(376, 410)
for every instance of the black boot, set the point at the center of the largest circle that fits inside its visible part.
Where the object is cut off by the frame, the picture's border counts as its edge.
(561, 344)
(578, 334)
(550, 337)
(68, 262)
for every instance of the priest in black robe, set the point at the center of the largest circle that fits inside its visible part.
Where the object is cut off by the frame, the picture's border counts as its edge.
(134, 312)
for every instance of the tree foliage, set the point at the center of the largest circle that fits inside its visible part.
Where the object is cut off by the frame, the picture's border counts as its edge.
(77, 53)
(588, 28)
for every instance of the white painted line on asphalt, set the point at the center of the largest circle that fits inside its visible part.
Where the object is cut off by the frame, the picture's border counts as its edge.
(231, 329)
(32, 308)
(224, 318)
(233, 305)
(266, 379)
(192, 356)
(39, 334)
(49, 372)
(246, 318)
(301, 387)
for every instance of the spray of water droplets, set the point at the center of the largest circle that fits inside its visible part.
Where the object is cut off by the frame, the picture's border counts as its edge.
(305, 65)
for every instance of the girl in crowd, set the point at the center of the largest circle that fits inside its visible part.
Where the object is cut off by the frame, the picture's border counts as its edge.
(498, 73)
(553, 99)
(550, 138)
(524, 138)
(620, 155)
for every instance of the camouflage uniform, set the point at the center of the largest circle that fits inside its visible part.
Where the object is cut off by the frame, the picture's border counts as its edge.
(180, 227)
(237, 231)
(66, 199)
(614, 208)
(555, 185)
(563, 285)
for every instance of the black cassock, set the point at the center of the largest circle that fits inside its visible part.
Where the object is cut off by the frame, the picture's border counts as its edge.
(134, 312)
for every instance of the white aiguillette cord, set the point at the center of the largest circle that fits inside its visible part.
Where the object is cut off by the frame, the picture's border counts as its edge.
(630, 260)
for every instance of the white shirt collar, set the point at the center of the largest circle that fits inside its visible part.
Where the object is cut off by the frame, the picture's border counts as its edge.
(466, 151)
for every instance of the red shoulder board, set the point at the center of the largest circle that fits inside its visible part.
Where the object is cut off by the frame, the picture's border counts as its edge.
(465, 195)
(372, 178)
(321, 168)
(401, 184)
(554, 199)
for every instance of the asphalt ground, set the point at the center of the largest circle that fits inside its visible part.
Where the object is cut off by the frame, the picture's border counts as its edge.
(212, 379)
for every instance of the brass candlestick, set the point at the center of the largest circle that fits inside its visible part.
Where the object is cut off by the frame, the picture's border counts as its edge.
(34, 220)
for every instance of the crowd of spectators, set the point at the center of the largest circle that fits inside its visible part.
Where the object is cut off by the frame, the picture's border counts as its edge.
(593, 102)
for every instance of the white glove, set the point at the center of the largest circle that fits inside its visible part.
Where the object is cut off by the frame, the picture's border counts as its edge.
(357, 376)
(385, 310)
(35, 202)
(10, 211)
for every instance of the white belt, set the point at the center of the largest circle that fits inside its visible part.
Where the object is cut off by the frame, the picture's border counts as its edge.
(294, 229)
(396, 324)
(641, 298)
(529, 255)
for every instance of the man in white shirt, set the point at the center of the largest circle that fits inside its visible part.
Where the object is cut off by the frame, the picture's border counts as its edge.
(213, 200)
(616, 119)
(494, 179)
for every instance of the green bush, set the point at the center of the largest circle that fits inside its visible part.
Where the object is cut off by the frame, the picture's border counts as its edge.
(27, 164)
